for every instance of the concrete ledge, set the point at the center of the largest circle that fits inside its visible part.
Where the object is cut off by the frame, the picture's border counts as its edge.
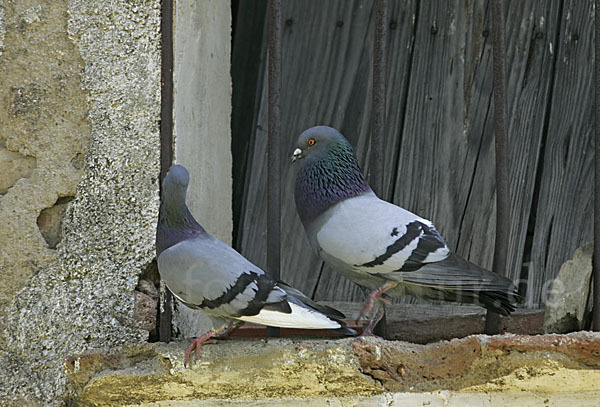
(479, 369)
(482, 363)
(232, 369)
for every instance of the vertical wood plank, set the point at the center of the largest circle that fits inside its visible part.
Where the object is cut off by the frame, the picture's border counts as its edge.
(565, 205)
(378, 129)
(492, 319)
(274, 147)
(596, 260)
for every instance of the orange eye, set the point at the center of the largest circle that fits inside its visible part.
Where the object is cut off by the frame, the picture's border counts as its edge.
(311, 142)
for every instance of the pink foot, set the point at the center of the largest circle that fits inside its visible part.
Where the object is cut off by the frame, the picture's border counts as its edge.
(373, 323)
(208, 338)
(197, 344)
(375, 296)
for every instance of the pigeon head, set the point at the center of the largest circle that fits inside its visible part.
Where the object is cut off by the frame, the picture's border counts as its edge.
(177, 177)
(317, 140)
(174, 191)
(175, 221)
(328, 171)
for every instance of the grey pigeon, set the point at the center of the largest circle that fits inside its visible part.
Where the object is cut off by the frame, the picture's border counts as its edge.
(206, 274)
(386, 249)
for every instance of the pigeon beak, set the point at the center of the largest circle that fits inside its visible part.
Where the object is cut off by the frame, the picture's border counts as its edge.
(297, 155)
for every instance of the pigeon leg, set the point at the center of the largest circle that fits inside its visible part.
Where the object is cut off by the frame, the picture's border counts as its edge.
(375, 318)
(229, 328)
(209, 337)
(197, 342)
(376, 296)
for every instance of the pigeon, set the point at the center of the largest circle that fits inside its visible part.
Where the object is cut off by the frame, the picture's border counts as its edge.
(208, 275)
(385, 249)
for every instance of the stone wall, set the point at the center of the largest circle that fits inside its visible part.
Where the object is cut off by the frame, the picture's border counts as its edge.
(79, 161)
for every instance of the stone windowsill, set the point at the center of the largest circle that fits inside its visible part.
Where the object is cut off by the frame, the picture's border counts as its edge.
(497, 370)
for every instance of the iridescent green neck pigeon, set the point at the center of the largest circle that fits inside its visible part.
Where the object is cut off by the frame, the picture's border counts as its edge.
(386, 249)
(206, 274)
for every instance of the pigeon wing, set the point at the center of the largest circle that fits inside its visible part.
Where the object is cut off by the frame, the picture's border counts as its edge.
(206, 274)
(374, 236)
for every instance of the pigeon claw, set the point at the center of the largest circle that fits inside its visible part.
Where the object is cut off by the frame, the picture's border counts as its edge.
(209, 337)
(197, 344)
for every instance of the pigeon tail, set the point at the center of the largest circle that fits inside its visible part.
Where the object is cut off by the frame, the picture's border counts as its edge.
(335, 324)
(296, 296)
(301, 317)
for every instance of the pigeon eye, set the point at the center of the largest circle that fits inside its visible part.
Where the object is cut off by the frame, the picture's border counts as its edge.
(311, 142)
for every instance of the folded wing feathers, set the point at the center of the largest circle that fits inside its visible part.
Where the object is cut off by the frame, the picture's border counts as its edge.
(457, 272)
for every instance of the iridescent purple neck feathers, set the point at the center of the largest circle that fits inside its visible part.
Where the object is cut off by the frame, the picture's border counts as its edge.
(175, 224)
(326, 178)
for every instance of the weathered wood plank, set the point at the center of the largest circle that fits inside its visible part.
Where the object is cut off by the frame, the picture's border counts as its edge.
(528, 89)
(564, 209)
(420, 323)
(445, 169)
(448, 173)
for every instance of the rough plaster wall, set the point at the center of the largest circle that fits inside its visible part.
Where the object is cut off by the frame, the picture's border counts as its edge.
(2, 29)
(43, 130)
(75, 75)
(202, 124)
